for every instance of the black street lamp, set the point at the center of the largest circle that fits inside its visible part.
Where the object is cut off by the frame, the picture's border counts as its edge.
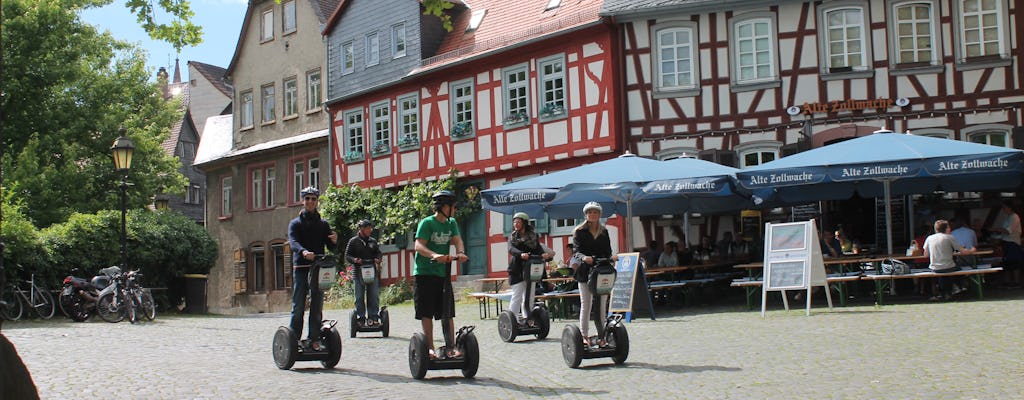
(122, 150)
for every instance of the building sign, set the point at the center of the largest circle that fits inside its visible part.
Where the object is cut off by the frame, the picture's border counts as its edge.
(836, 106)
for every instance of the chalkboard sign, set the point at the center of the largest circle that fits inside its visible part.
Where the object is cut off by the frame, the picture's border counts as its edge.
(806, 212)
(750, 224)
(625, 282)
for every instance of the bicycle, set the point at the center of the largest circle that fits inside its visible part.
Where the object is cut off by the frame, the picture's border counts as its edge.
(15, 300)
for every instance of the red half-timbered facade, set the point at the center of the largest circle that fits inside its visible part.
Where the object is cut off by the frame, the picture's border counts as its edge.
(527, 89)
(742, 83)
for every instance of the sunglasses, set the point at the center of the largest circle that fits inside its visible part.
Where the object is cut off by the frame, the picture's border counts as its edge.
(309, 198)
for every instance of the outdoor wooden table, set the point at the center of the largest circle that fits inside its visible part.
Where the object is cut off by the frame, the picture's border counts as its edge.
(975, 275)
(497, 282)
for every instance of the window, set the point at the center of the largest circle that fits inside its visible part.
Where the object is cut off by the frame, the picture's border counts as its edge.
(188, 151)
(398, 41)
(195, 194)
(674, 57)
(288, 23)
(409, 117)
(268, 103)
(989, 138)
(262, 189)
(282, 265)
(314, 172)
(380, 123)
(245, 109)
(291, 94)
(845, 40)
(225, 196)
(462, 109)
(267, 25)
(313, 92)
(915, 40)
(354, 135)
(348, 58)
(516, 84)
(372, 49)
(751, 154)
(552, 4)
(305, 173)
(564, 226)
(981, 30)
(552, 87)
(753, 50)
(256, 268)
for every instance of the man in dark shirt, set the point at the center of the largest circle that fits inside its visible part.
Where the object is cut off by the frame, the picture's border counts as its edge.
(363, 250)
(308, 235)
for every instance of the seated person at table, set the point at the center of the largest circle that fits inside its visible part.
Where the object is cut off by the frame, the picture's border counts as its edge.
(724, 247)
(939, 248)
(704, 251)
(829, 247)
(683, 252)
(965, 236)
(669, 258)
(740, 247)
(652, 254)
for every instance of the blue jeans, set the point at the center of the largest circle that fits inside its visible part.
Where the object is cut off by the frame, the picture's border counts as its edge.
(945, 282)
(371, 294)
(300, 288)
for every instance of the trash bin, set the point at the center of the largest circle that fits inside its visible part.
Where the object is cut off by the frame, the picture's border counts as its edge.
(195, 293)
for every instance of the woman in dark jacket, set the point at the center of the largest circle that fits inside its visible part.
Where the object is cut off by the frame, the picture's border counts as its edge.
(592, 242)
(522, 243)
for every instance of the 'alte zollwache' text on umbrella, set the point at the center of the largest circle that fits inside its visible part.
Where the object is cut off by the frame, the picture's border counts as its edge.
(897, 170)
(780, 178)
(972, 164)
(684, 186)
(519, 197)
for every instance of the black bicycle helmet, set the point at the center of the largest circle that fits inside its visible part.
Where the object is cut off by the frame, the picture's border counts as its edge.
(444, 197)
(310, 190)
(364, 223)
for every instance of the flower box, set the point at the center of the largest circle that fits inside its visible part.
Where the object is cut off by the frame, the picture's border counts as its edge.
(382, 147)
(409, 141)
(462, 129)
(517, 118)
(353, 156)
(551, 110)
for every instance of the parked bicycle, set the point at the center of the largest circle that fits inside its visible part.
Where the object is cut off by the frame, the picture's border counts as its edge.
(125, 298)
(16, 300)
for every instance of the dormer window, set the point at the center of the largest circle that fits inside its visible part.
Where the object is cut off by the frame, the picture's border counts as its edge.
(476, 19)
(553, 4)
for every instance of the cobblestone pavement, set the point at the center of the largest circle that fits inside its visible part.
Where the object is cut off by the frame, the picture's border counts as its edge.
(961, 350)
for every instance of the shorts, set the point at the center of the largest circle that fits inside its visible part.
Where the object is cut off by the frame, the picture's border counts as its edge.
(433, 297)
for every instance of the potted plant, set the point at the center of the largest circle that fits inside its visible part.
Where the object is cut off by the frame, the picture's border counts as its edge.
(381, 147)
(409, 140)
(353, 156)
(516, 118)
(462, 129)
(552, 109)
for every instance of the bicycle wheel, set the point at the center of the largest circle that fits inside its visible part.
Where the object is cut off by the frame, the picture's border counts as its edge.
(132, 308)
(110, 308)
(43, 302)
(148, 305)
(12, 306)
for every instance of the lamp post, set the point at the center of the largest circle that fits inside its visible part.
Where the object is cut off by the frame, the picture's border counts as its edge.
(122, 150)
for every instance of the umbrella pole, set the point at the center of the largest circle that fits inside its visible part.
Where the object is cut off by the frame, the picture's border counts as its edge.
(629, 224)
(888, 216)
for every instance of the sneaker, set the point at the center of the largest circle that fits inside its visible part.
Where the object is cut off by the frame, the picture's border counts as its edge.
(935, 298)
(957, 290)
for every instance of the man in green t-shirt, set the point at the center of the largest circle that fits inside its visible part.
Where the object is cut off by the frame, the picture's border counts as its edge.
(432, 294)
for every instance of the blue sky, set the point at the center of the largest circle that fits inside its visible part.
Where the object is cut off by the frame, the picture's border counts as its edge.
(221, 21)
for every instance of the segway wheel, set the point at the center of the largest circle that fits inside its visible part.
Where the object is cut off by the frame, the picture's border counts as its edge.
(508, 326)
(385, 323)
(543, 321)
(286, 348)
(419, 355)
(471, 351)
(333, 349)
(352, 325)
(572, 346)
(621, 340)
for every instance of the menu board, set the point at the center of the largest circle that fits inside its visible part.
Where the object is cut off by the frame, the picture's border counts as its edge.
(793, 261)
(786, 274)
(630, 286)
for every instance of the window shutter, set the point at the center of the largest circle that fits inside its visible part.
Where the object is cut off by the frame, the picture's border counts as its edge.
(508, 224)
(240, 272)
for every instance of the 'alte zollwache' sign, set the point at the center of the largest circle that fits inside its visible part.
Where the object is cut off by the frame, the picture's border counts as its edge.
(837, 106)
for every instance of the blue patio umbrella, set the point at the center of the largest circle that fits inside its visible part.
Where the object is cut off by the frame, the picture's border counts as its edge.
(884, 164)
(626, 185)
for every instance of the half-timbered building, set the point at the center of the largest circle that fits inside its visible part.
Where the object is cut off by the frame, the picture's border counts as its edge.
(514, 89)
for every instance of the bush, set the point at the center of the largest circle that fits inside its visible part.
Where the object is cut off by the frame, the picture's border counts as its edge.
(396, 293)
(22, 246)
(342, 293)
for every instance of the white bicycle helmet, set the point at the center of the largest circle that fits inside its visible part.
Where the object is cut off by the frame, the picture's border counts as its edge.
(592, 206)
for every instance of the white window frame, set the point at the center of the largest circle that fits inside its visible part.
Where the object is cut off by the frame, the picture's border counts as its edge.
(372, 53)
(899, 38)
(225, 196)
(245, 110)
(268, 109)
(314, 91)
(933, 132)
(515, 85)
(563, 226)
(828, 36)
(380, 128)
(398, 40)
(1000, 56)
(355, 135)
(348, 58)
(988, 131)
(462, 108)
(313, 165)
(760, 148)
(269, 177)
(196, 194)
(409, 121)
(267, 25)
(291, 97)
(760, 81)
(552, 101)
(298, 179)
(289, 22)
(686, 57)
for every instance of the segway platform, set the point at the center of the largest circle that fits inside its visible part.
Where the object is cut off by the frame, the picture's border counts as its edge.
(420, 361)
(327, 349)
(384, 327)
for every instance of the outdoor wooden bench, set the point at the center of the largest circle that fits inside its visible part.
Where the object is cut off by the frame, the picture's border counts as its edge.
(560, 302)
(975, 275)
(753, 285)
(484, 301)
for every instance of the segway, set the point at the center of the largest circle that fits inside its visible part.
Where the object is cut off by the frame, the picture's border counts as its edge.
(613, 333)
(368, 272)
(287, 348)
(509, 326)
(465, 342)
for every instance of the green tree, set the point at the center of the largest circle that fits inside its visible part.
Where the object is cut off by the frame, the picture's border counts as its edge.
(66, 90)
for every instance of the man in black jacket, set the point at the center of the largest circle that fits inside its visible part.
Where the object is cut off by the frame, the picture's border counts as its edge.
(308, 234)
(363, 250)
